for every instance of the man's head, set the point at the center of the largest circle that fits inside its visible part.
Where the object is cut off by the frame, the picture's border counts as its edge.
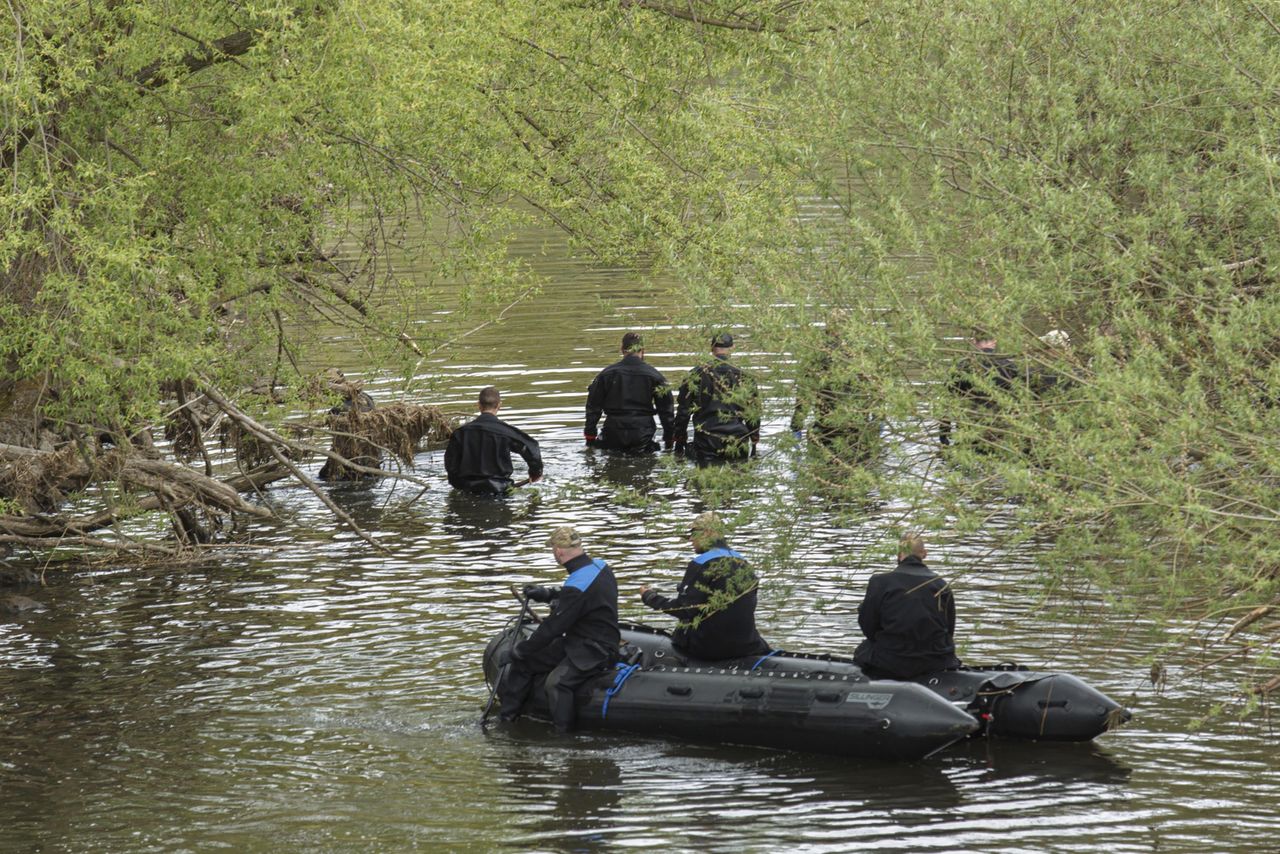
(911, 545)
(632, 343)
(565, 544)
(721, 344)
(490, 400)
(707, 529)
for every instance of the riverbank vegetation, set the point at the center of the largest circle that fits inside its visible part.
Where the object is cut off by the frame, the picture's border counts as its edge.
(195, 192)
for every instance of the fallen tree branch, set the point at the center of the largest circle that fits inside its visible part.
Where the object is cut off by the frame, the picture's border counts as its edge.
(91, 542)
(41, 528)
(266, 434)
(325, 499)
(1247, 620)
(1266, 687)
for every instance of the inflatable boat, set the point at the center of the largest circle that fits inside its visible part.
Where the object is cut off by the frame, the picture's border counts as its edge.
(806, 709)
(1004, 700)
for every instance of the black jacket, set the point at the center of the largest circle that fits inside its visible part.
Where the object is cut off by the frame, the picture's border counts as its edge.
(478, 458)
(844, 405)
(722, 402)
(979, 380)
(629, 393)
(909, 618)
(977, 376)
(718, 592)
(585, 613)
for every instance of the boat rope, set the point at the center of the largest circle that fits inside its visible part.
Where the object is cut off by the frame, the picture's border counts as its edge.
(624, 673)
(764, 658)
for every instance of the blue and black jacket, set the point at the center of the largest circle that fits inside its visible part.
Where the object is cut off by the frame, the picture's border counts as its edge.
(716, 606)
(585, 613)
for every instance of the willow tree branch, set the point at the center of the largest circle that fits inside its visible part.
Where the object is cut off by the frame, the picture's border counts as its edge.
(152, 76)
(691, 15)
(212, 53)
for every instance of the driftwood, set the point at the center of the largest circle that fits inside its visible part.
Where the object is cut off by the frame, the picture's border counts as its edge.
(37, 482)
(364, 435)
(173, 487)
(264, 433)
(275, 442)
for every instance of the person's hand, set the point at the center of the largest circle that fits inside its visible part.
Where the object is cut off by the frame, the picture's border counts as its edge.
(668, 442)
(537, 593)
(590, 437)
(679, 447)
(517, 654)
(643, 590)
(534, 478)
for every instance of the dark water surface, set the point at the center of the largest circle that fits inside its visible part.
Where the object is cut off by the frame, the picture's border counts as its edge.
(318, 696)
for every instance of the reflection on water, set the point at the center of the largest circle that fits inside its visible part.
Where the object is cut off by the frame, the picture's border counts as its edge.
(316, 695)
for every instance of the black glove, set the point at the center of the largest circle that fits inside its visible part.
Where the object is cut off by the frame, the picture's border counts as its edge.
(537, 593)
(517, 654)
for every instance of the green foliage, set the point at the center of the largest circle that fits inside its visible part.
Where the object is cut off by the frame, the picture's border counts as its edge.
(1020, 167)
(208, 188)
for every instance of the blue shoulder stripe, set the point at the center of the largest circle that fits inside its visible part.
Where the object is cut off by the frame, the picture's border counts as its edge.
(581, 578)
(716, 553)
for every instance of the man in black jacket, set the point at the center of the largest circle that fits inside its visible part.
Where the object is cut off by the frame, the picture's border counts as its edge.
(478, 458)
(724, 405)
(629, 393)
(979, 380)
(715, 602)
(575, 643)
(909, 619)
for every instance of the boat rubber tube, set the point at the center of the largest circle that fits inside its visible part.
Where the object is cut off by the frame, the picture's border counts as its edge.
(839, 715)
(1006, 700)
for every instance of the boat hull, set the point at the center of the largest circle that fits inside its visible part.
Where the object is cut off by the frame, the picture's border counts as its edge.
(834, 714)
(1005, 700)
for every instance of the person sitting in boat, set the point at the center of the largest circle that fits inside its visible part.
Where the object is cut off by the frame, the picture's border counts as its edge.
(478, 457)
(909, 619)
(716, 600)
(629, 393)
(575, 643)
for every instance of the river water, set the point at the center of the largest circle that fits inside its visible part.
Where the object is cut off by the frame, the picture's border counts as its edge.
(315, 695)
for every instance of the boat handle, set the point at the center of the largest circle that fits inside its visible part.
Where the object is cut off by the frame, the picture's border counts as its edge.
(751, 693)
(679, 690)
(827, 696)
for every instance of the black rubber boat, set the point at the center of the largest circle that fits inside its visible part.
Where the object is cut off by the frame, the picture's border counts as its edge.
(840, 714)
(1004, 700)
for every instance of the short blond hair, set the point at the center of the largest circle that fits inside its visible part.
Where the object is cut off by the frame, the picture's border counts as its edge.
(911, 544)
